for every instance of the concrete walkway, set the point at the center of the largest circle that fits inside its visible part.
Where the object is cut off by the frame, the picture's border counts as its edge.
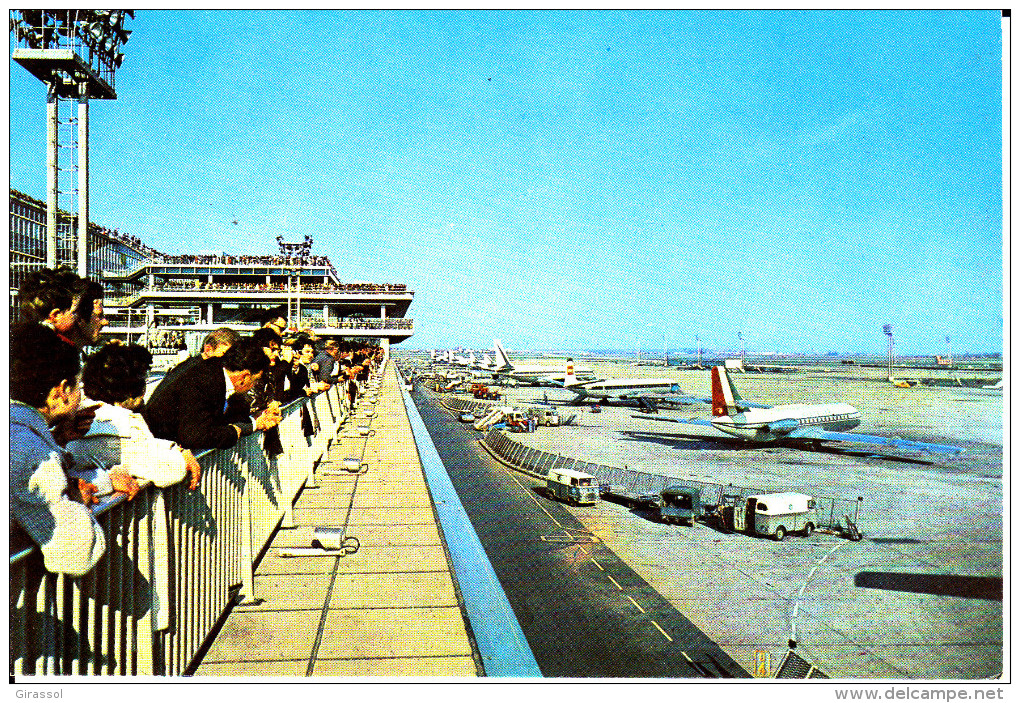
(390, 609)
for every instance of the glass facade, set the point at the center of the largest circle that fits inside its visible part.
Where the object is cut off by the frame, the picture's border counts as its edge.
(28, 245)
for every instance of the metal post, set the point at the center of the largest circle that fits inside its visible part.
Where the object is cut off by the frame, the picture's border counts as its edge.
(297, 305)
(83, 182)
(52, 164)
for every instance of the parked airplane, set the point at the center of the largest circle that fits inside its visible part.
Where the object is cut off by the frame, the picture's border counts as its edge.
(619, 388)
(540, 374)
(815, 424)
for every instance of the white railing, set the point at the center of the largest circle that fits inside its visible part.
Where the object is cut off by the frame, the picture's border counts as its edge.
(175, 560)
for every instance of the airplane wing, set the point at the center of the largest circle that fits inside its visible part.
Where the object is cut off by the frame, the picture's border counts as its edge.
(809, 433)
(702, 429)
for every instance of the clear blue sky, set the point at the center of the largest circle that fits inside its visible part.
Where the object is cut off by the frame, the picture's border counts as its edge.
(578, 179)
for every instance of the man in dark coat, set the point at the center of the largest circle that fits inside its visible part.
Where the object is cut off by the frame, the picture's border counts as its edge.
(205, 406)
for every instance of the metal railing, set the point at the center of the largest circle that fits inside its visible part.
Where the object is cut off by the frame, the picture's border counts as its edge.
(175, 560)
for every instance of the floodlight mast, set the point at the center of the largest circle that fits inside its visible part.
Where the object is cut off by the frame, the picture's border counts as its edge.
(887, 331)
(75, 53)
(297, 256)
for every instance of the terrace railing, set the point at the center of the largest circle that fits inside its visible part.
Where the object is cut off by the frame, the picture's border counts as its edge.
(175, 560)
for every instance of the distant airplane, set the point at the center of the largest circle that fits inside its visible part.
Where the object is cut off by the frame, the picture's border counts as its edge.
(734, 417)
(539, 374)
(618, 388)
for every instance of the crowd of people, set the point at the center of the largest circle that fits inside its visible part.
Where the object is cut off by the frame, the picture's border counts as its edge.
(132, 241)
(268, 287)
(81, 429)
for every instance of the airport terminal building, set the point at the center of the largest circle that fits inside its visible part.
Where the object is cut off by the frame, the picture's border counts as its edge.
(153, 297)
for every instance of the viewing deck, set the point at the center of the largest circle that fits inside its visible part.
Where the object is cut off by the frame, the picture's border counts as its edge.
(389, 609)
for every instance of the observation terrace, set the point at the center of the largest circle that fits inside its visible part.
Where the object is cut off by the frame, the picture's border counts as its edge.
(205, 292)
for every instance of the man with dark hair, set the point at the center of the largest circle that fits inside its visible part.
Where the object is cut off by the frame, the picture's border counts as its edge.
(89, 320)
(275, 319)
(44, 387)
(47, 296)
(206, 406)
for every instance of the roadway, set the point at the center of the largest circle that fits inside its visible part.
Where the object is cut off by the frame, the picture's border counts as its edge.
(584, 612)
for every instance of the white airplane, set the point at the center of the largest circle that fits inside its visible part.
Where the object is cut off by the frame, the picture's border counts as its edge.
(619, 388)
(734, 417)
(547, 374)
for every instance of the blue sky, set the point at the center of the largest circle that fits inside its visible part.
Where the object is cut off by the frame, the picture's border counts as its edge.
(578, 179)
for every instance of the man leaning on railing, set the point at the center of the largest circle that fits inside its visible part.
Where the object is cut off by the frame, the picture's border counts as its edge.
(45, 508)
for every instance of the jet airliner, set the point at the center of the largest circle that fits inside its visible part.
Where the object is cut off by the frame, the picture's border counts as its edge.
(734, 417)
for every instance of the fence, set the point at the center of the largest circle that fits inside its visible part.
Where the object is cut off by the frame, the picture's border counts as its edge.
(829, 511)
(175, 560)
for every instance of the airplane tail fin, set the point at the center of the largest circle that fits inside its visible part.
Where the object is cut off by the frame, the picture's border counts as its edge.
(569, 379)
(725, 399)
(502, 360)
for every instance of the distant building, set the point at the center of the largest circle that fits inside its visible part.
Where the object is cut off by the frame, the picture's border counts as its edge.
(163, 300)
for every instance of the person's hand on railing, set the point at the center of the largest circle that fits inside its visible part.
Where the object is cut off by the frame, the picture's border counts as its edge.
(74, 426)
(270, 417)
(193, 468)
(124, 483)
(81, 491)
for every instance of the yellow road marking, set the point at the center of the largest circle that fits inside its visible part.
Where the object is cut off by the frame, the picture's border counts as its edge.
(635, 604)
(528, 493)
(664, 633)
(614, 582)
(596, 563)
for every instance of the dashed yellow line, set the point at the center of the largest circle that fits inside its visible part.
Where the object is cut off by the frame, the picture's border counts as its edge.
(664, 634)
(528, 493)
(592, 559)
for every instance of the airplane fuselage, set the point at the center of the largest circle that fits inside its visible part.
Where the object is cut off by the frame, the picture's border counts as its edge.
(772, 424)
(622, 388)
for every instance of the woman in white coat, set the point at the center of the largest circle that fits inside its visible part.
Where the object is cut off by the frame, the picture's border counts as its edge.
(119, 437)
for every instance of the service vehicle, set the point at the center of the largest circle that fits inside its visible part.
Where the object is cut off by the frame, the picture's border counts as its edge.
(572, 486)
(778, 514)
(680, 504)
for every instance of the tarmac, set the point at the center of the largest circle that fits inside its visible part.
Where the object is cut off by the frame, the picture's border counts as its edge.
(919, 597)
(389, 609)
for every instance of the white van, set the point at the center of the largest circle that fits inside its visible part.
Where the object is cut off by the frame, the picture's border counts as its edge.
(572, 486)
(779, 514)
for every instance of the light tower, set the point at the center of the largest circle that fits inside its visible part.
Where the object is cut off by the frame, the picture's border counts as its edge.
(697, 338)
(740, 336)
(949, 352)
(887, 330)
(76, 54)
(297, 256)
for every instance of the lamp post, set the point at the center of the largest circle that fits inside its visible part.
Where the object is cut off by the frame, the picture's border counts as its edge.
(887, 331)
(76, 54)
(697, 338)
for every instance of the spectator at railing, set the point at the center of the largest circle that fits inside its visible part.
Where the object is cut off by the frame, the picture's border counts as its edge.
(115, 376)
(206, 406)
(216, 343)
(324, 366)
(45, 508)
